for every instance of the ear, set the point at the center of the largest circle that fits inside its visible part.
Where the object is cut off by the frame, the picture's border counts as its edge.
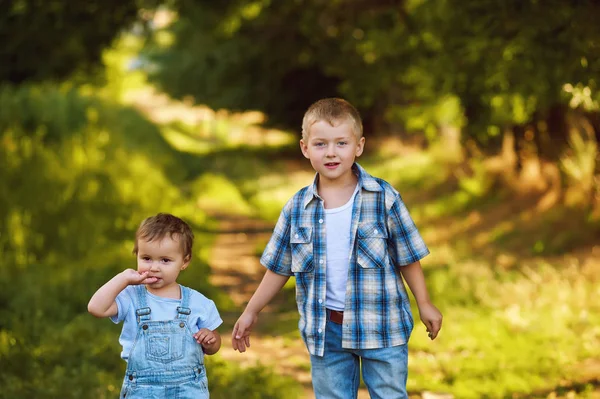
(186, 262)
(360, 146)
(304, 148)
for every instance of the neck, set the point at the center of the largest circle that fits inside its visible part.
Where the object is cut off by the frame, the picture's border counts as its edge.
(171, 292)
(337, 184)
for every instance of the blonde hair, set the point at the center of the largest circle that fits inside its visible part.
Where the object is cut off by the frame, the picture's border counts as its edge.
(332, 111)
(159, 226)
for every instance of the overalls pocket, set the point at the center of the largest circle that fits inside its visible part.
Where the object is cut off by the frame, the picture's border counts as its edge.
(371, 243)
(164, 346)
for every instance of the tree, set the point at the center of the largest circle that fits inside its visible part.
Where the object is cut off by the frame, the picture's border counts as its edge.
(277, 57)
(506, 62)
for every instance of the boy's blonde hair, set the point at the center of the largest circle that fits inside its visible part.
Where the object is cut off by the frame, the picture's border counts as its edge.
(332, 111)
(159, 226)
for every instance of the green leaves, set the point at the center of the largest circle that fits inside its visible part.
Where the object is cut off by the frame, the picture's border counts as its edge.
(506, 62)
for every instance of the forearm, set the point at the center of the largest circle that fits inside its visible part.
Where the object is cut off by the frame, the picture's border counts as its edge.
(102, 303)
(214, 347)
(413, 274)
(270, 285)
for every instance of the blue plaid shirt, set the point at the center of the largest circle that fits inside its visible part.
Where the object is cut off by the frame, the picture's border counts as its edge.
(377, 309)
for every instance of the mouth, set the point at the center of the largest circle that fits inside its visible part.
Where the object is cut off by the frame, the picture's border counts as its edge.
(331, 165)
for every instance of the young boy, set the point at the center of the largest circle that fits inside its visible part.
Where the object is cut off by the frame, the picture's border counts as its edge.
(163, 321)
(348, 240)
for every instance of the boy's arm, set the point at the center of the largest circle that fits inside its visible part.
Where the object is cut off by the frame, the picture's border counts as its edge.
(270, 285)
(103, 304)
(430, 315)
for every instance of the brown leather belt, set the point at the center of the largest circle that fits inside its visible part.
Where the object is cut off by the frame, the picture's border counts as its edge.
(336, 316)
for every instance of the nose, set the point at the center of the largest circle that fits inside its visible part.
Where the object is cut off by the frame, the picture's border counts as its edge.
(330, 150)
(154, 267)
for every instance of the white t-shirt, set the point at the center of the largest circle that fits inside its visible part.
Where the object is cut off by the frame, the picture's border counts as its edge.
(338, 222)
(204, 314)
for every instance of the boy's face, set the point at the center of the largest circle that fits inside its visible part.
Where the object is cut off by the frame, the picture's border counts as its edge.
(332, 150)
(164, 260)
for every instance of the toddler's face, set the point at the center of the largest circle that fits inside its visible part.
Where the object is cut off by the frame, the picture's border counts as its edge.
(162, 258)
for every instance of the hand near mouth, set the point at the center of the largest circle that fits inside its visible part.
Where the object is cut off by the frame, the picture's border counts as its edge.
(135, 277)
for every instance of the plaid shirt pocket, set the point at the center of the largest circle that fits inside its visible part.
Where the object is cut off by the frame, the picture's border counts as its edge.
(372, 245)
(302, 249)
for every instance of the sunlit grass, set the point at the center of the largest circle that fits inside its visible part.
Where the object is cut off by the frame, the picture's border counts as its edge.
(506, 332)
(218, 194)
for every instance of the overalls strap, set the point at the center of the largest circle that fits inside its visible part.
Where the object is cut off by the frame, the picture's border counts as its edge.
(184, 310)
(143, 311)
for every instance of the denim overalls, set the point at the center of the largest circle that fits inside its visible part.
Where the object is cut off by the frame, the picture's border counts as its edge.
(165, 360)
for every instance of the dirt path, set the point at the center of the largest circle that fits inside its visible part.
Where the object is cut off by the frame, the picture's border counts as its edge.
(235, 269)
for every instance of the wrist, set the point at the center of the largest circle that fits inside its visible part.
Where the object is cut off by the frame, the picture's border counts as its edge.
(251, 311)
(123, 279)
(423, 302)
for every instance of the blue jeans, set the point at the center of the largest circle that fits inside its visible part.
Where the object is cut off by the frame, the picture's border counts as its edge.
(336, 375)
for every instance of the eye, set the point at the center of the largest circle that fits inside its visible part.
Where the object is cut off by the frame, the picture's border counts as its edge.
(319, 144)
(165, 260)
(342, 143)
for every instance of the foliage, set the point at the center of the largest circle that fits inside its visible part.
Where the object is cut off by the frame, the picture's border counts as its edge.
(55, 40)
(401, 59)
(78, 175)
(278, 57)
(579, 165)
(229, 380)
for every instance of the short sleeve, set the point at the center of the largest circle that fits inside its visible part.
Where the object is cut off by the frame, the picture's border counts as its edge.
(210, 318)
(124, 302)
(277, 255)
(406, 245)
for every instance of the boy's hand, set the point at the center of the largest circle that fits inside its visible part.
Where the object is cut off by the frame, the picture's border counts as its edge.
(205, 337)
(134, 277)
(431, 317)
(240, 338)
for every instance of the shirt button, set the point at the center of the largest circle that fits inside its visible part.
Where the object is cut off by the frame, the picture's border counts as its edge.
(320, 301)
(297, 236)
(181, 325)
(130, 377)
(320, 220)
(145, 326)
(375, 231)
(321, 261)
(320, 331)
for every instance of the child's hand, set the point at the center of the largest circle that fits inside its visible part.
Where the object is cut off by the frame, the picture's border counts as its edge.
(432, 318)
(210, 340)
(240, 338)
(205, 337)
(134, 277)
